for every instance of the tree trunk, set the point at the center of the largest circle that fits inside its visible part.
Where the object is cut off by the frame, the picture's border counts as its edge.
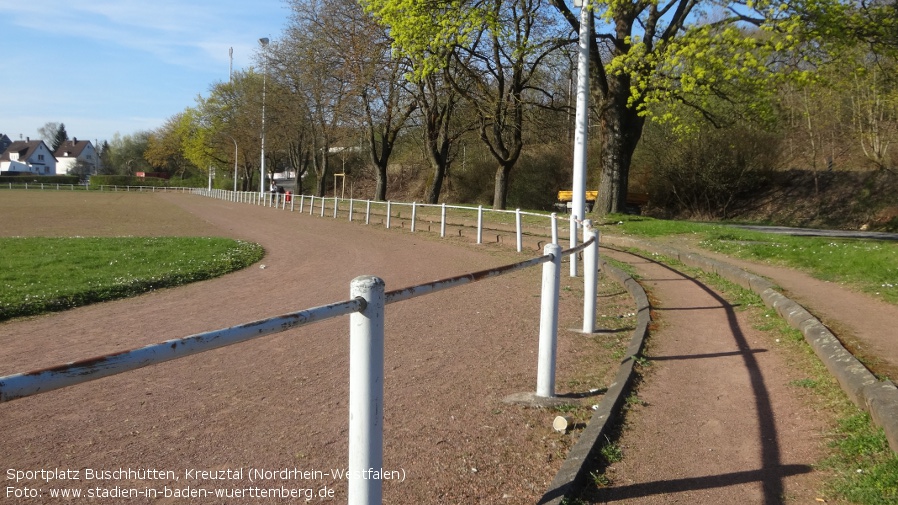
(438, 154)
(380, 190)
(433, 193)
(379, 164)
(321, 184)
(621, 130)
(500, 192)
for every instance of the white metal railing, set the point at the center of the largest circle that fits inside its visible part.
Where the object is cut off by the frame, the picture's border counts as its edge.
(50, 186)
(366, 310)
(42, 186)
(392, 210)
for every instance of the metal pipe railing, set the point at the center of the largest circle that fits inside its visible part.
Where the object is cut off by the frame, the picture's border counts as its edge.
(21, 385)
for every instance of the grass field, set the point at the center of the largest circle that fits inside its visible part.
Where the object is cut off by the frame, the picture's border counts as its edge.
(60, 250)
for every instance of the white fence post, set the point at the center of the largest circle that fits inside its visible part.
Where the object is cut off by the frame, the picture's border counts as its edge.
(323, 204)
(351, 201)
(443, 221)
(590, 276)
(367, 211)
(573, 244)
(414, 213)
(389, 214)
(480, 224)
(336, 204)
(554, 228)
(548, 322)
(366, 392)
(518, 230)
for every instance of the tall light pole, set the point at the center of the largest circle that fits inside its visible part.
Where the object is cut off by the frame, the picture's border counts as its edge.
(582, 127)
(264, 43)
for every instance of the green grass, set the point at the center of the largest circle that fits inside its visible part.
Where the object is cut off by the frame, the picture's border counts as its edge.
(40, 274)
(870, 265)
(866, 469)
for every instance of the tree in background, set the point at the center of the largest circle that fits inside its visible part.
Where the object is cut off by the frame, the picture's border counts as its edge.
(61, 137)
(53, 134)
(124, 155)
(104, 155)
(495, 48)
(165, 149)
(499, 67)
(437, 103)
(310, 65)
(373, 75)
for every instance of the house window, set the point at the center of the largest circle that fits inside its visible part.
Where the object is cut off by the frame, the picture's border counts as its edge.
(40, 157)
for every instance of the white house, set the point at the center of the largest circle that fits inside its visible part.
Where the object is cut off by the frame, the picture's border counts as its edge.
(31, 156)
(71, 152)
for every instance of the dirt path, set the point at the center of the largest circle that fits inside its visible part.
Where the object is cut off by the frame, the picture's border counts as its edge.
(280, 402)
(718, 421)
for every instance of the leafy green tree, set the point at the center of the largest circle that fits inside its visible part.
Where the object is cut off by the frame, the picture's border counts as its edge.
(164, 149)
(227, 124)
(677, 50)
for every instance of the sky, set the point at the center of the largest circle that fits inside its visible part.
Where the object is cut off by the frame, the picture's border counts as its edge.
(103, 67)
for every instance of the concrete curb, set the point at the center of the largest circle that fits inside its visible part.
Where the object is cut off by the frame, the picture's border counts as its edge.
(878, 398)
(572, 471)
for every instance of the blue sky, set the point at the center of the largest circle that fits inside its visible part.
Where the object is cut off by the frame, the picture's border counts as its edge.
(120, 66)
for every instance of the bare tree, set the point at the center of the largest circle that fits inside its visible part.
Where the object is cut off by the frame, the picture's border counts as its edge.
(499, 67)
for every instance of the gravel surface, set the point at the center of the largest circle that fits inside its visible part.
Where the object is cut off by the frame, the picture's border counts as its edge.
(281, 402)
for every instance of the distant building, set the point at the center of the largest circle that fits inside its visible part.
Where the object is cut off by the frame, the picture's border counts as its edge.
(4, 142)
(77, 157)
(30, 156)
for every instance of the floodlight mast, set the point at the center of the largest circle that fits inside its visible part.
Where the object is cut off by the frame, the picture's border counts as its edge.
(264, 43)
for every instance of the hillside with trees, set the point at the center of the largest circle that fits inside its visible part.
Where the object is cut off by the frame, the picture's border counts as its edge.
(711, 108)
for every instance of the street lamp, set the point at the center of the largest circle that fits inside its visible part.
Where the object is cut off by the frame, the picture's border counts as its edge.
(264, 43)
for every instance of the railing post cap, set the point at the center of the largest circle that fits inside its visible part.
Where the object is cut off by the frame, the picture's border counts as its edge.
(367, 281)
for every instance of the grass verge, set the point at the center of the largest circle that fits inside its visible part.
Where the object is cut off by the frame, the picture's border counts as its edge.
(42, 274)
(871, 265)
